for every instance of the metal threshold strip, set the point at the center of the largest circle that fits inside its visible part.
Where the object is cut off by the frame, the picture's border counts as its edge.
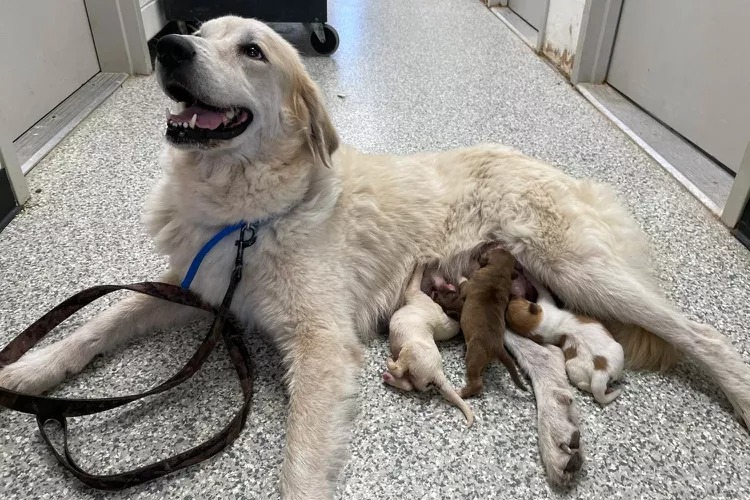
(701, 176)
(48, 132)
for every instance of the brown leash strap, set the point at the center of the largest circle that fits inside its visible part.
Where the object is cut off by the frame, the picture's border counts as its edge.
(49, 409)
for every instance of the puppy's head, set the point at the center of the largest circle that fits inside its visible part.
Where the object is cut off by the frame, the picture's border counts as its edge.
(449, 298)
(523, 316)
(238, 86)
(497, 256)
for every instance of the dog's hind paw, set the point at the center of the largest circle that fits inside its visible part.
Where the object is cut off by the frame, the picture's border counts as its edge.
(559, 436)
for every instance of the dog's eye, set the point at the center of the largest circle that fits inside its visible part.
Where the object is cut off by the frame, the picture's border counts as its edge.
(252, 51)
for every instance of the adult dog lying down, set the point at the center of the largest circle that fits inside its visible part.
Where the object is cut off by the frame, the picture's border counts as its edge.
(341, 232)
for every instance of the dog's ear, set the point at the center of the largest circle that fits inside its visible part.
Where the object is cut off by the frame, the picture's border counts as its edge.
(310, 111)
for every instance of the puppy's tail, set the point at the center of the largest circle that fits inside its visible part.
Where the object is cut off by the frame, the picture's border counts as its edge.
(450, 394)
(599, 381)
(510, 365)
(415, 284)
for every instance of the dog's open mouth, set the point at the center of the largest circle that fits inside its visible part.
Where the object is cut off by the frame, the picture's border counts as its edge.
(199, 122)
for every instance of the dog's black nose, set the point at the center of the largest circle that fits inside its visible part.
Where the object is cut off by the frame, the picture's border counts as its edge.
(173, 50)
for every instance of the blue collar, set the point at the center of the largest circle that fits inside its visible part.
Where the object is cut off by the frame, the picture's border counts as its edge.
(210, 244)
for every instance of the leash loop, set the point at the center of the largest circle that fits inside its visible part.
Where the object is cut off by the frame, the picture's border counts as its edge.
(50, 409)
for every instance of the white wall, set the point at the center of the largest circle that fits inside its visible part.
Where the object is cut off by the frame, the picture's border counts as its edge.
(561, 35)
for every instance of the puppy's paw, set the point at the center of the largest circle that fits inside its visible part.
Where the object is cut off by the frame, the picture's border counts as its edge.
(400, 383)
(559, 436)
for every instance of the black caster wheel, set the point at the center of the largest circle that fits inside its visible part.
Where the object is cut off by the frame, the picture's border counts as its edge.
(330, 44)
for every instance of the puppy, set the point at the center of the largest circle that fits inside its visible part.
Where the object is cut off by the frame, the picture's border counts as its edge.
(592, 356)
(480, 307)
(433, 279)
(415, 360)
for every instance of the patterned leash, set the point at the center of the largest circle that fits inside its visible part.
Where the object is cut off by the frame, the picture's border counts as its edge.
(49, 409)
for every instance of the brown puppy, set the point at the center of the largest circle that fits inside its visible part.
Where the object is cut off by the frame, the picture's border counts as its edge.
(480, 307)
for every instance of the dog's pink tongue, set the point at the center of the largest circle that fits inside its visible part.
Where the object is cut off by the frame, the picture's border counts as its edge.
(205, 118)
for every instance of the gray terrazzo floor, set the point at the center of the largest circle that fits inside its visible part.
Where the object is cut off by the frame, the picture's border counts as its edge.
(408, 76)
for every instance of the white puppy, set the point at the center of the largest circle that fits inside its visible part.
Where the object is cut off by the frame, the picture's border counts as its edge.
(416, 361)
(592, 356)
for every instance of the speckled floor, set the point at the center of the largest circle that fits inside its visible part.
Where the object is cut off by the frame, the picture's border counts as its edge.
(408, 76)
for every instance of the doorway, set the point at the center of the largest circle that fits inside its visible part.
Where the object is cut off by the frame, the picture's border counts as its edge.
(50, 54)
(685, 63)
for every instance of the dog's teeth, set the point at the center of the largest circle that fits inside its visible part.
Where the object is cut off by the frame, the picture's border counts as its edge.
(184, 125)
(230, 114)
(193, 120)
(168, 114)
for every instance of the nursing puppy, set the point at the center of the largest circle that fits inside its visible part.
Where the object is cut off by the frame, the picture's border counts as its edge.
(338, 232)
(592, 356)
(415, 361)
(481, 305)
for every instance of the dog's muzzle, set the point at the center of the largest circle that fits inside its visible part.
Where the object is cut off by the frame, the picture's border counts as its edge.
(196, 121)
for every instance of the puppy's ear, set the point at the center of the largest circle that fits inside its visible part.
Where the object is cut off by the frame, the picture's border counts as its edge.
(309, 109)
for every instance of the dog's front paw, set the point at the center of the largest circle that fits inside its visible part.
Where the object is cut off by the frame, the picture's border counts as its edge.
(34, 373)
(559, 436)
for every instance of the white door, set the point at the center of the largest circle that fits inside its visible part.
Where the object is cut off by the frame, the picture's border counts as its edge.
(532, 11)
(686, 63)
(46, 53)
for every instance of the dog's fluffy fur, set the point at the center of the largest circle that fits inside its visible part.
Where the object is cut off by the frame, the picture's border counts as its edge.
(343, 230)
(415, 361)
(592, 357)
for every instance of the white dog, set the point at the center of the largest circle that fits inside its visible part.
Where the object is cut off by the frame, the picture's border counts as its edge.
(416, 361)
(340, 232)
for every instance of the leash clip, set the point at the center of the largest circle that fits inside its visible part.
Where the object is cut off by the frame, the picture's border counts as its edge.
(242, 243)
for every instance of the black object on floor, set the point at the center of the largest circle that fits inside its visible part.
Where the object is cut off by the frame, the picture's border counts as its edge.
(8, 206)
(313, 13)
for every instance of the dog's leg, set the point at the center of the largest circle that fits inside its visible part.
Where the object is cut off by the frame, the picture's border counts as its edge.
(138, 314)
(557, 415)
(618, 293)
(321, 379)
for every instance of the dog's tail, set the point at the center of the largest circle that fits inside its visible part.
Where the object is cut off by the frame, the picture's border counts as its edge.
(450, 394)
(644, 350)
(599, 382)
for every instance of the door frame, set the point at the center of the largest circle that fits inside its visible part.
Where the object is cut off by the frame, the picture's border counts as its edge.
(10, 166)
(739, 197)
(596, 41)
(119, 36)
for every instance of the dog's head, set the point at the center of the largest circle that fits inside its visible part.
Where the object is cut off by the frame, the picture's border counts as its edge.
(240, 86)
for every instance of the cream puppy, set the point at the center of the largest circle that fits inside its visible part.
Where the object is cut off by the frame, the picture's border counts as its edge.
(415, 361)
